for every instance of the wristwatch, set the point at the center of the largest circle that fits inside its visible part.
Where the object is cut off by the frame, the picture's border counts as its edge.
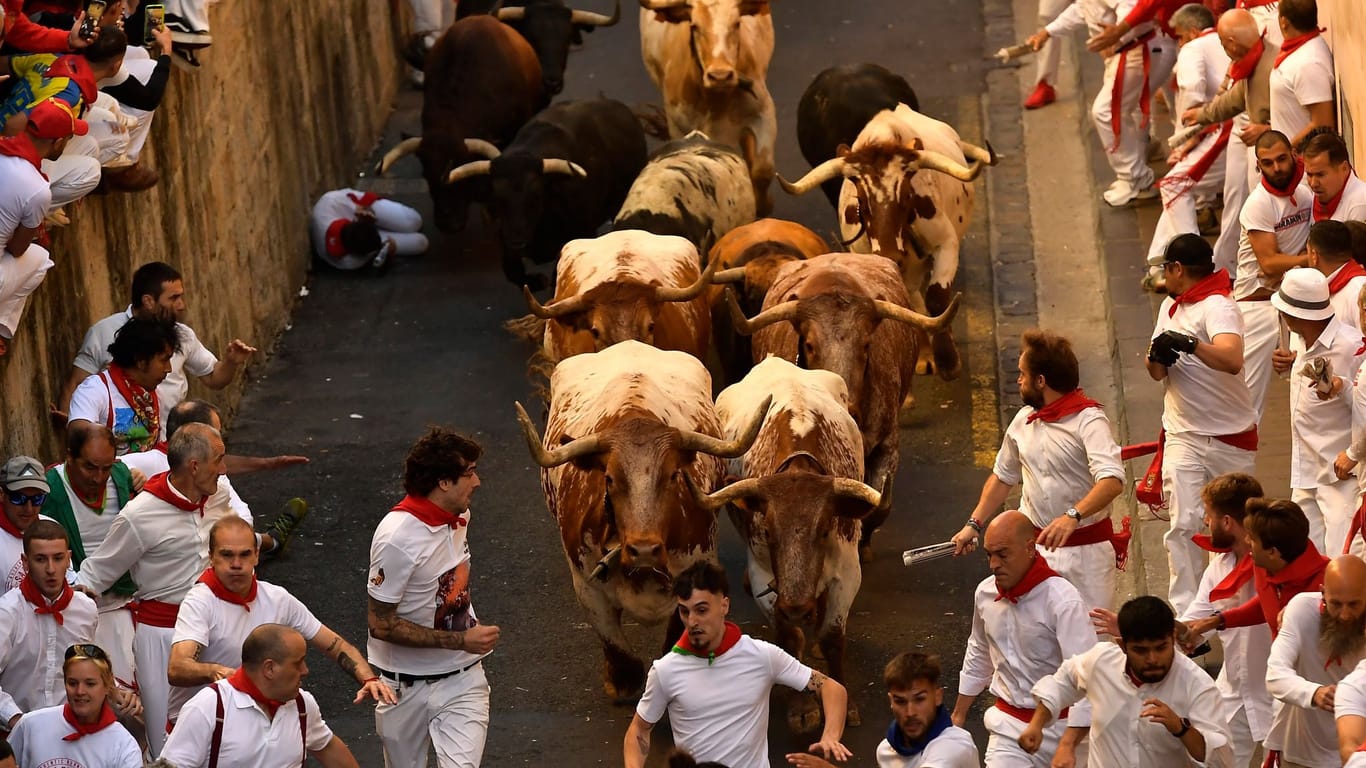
(1074, 514)
(1185, 726)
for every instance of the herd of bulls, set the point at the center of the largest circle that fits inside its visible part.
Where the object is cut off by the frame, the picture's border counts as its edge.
(818, 348)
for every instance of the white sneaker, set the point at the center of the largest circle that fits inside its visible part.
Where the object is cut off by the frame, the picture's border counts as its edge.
(1122, 192)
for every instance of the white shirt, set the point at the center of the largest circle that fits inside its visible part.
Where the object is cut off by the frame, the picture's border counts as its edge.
(425, 571)
(1242, 676)
(1304, 77)
(330, 207)
(37, 741)
(1119, 738)
(99, 401)
(1346, 301)
(952, 748)
(1057, 462)
(1200, 68)
(1357, 760)
(1294, 670)
(160, 544)
(1358, 422)
(1320, 429)
(221, 627)
(12, 568)
(24, 197)
(1013, 645)
(1200, 400)
(250, 740)
(32, 647)
(1352, 204)
(1092, 15)
(193, 357)
(718, 708)
(1350, 696)
(223, 502)
(1288, 218)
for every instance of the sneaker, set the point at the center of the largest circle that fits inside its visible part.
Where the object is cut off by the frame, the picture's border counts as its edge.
(56, 218)
(1042, 96)
(182, 34)
(287, 523)
(1122, 193)
(1207, 219)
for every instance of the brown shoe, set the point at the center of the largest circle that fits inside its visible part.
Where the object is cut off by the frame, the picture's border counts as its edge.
(134, 178)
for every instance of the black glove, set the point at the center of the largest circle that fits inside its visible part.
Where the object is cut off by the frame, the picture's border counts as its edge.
(1179, 341)
(1160, 351)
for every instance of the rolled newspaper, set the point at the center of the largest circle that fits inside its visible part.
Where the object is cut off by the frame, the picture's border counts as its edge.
(1319, 371)
(1014, 52)
(1184, 135)
(925, 554)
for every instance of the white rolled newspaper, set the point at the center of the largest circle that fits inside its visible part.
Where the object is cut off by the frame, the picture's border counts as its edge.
(1184, 135)
(1014, 52)
(925, 554)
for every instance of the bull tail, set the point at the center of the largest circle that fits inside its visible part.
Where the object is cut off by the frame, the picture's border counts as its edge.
(652, 120)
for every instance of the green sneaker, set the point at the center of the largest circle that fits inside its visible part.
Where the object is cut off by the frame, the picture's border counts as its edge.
(287, 523)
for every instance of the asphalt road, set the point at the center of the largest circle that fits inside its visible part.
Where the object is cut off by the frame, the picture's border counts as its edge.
(371, 360)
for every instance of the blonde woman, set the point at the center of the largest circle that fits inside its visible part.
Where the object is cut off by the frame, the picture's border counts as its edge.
(84, 730)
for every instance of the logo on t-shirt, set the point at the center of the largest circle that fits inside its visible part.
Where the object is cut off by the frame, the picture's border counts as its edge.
(60, 762)
(453, 600)
(1296, 218)
(378, 578)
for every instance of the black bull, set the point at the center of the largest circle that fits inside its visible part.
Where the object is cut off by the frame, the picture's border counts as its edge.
(550, 26)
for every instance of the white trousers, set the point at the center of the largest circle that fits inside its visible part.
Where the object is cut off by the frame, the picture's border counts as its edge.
(1188, 463)
(1162, 52)
(1236, 189)
(401, 224)
(114, 634)
(451, 715)
(1180, 192)
(76, 173)
(19, 278)
(1261, 334)
(140, 66)
(1046, 60)
(1329, 509)
(1090, 568)
(151, 657)
(1003, 746)
(194, 12)
(431, 16)
(1243, 743)
(1128, 157)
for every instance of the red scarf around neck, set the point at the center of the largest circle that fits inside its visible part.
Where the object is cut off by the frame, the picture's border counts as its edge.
(1217, 284)
(1344, 275)
(427, 511)
(31, 593)
(1038, 572)
(364, 199)
(1289, 191)
(1075, 401)
(1325, 211)
(210, 579)
(239, 680)
(8, 527)
(1243, 68)
(107, 718)
(160, 487)
(728, 641)
(144, 402)
(1228, 587)
(1292, 44)
(332, 240)
(22, 146)
(1206, 542)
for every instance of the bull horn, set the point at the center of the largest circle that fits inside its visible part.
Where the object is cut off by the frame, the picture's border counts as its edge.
(555, 165)
(405, 147)
(557, 309)
(830, 169)
(688, 293)
(854, 489)
(726, 449)
(514, 13)
(661, 5)
(732, 275)
(596, 19)
(787, 311)
(717, 499)
(974, 152)
(889, 311)
(584, 446)
(935, 161)
(482, 148)
(473, 168)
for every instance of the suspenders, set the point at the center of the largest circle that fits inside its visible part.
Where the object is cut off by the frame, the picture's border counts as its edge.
(217, 742)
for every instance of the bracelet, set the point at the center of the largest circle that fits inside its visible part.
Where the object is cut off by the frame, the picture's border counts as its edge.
(369, 680)
(972, 523)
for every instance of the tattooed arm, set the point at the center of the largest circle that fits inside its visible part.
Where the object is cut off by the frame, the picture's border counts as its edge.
(352, 663)
(834, 704)
(185, 667)
(386, 625)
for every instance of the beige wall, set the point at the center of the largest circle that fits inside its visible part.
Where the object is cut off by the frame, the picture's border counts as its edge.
(293, 94)
(1345, 21)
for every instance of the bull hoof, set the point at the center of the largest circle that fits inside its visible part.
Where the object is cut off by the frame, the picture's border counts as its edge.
(624, 681)
(924, 366)
(804, 714)
(852, 719)
(946, 360)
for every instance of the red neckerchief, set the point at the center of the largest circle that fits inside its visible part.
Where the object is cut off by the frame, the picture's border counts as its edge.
(1206, 542)
(143, 401)
(8, 527)
(77, 70)
(1075, 401)
(428, 512)
(1325, 211)
(22, 146)
(210, 579)
(107, 718)
(1234, 581)
(1038, 572)
(1308, 567)
(40, 604)
(364, 200)
(1243, 68)
(1217, 284)
(1289, 191)
(1291, 44)
(1344, 275)
(728, 641)
(332, 241)
(160, 487)
(239, 680)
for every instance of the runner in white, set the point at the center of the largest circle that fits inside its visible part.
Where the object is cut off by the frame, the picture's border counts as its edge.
(1302, 81)
(1151, 707)
(1349, 710)
(1330, 252)
(124, 396)
(1006, 651)
(1339, 195)
(157, 539)
(84, 732)
(352, 229)
(1060, 446)
(258, 717)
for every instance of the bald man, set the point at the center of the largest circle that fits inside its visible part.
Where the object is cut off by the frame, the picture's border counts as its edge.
(1320, 642)
(1008, 652)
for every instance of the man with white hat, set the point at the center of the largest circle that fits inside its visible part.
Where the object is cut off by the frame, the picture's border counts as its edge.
(1320, 402)
(1209, 425)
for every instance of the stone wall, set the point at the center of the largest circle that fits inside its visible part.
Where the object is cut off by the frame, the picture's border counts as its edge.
(1345, 21)
(290, 98)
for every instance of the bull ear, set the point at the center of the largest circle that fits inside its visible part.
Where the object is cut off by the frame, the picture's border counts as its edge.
(841, 150)
(754, 7)
(917, 144)
(850, 508)
(679, 14)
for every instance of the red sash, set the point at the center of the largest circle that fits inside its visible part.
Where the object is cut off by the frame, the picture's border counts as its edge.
(1180, 184)
(1245, 4)
(1117, 92)
(1293, 44)
(155, 613)
(1230, 585)
(210, 580)
(1022, 714)
(1099, 533)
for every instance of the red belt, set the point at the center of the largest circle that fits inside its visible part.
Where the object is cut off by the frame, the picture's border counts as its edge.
(155, 613)
(1022, 714)
(1101, 533)
(1245, 4)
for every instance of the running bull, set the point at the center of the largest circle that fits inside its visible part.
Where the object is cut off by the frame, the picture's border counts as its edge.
(550, 26)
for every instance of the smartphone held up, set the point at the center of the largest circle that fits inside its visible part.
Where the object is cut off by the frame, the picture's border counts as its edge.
(94, 11)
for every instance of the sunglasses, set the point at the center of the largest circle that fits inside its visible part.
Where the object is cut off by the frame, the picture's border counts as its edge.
(86, 651)
(20, 499)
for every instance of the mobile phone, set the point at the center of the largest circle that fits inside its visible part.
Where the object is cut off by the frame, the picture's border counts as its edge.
(155, 19)
(94, 11)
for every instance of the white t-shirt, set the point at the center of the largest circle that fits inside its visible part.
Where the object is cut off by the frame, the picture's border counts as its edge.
(221, 627)
(193, 358)
(99, 401)
(1304, 77)
(1200, 400)
(1321, 429)
(32, 647)
(952, 748)
(1200, 68)
(24, 197)
(1352, 204)
(718, 708)
(330, 207)
(37, 741)
(1288, 218)
(1058, 462)
(223, 502)
(250, 740)
(1295, 669)
(1346, 301)
(425, 571)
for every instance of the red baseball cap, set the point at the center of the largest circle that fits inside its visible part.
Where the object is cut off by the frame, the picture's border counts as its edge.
(55, 119)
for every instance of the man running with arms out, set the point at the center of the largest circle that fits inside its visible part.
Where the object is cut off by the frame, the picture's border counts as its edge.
(715, 684)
